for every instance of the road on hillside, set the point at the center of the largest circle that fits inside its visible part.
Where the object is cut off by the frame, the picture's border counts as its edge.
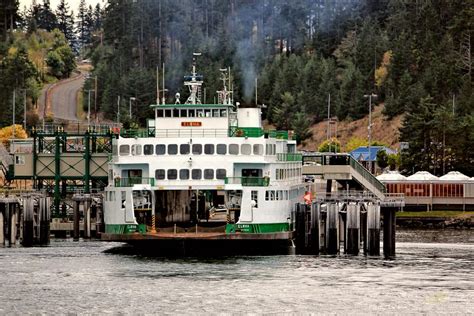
(64, 97)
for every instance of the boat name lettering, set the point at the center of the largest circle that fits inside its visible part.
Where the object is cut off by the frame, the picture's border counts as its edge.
(191, 123)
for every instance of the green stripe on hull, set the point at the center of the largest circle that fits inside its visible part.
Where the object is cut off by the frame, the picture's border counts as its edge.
(121, 228)
(257, 228)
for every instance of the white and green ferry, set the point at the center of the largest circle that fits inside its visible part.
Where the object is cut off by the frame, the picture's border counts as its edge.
(204, 178)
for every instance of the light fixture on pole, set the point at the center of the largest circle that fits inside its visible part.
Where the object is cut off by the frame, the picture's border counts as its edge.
(370, 96)
(130, 106)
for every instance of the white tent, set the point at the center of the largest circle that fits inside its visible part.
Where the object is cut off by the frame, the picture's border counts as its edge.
(422, 176)
(454, 176)
(391, 176)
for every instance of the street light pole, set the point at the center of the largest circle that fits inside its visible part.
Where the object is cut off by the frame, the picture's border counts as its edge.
(24, 109)
(89, 107)
(370, 96)
(13, 118)
(130, 106)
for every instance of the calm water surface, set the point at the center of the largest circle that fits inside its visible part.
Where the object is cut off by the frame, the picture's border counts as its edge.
(434, 275)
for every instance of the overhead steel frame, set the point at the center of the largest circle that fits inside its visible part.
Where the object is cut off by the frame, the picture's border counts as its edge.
(60, 143)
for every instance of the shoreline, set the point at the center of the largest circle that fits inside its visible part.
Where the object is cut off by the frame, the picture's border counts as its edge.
(436, 219)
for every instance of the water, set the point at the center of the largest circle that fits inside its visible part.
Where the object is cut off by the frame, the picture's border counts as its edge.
(426, 277)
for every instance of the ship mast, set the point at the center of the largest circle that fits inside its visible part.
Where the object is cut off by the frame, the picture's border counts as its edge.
(194, 82)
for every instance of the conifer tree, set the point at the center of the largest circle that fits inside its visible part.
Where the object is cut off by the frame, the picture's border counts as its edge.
(65, 21)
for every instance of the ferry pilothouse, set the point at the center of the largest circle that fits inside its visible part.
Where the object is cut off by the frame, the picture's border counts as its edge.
(204, 178)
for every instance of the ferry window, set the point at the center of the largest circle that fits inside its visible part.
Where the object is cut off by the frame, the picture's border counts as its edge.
(197, 149)
(184, 174)
(191, 113)
(209, 149)
(272, 195)
(215, 113)
(274, 149)
(172, 149)
(279, 195)
(184, 113)
(175, 113)
(285, 195)
(221, 149)
(233, 149)
(136, 150)
(196, 174)
(209, 174)
(184, 149)
(246, 149)
(19, 160)
(223, 113)
(254, 197)
(160, 149)
(124, 150)
(199, 113)
(267, 149)
(167, 113)
(221, 174)
(160, 174)
(159, 113)
(148, 149)
(207, 112)
(114, 150)
(258, 149)
(172, 174)
(267, 195)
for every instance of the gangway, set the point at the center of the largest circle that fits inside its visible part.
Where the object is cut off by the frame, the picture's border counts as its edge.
(345, 169)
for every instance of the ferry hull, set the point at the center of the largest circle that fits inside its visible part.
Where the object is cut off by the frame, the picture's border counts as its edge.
(206, 244)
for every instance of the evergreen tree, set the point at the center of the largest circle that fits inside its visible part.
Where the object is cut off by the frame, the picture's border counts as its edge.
(65, 22)
(46, 19)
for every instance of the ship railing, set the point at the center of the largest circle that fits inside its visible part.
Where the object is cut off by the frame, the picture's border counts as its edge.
(249, 181)
(129, 182)
(170, 133)
(289, 157)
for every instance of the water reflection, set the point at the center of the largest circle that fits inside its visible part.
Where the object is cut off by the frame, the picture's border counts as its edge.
(426, 277)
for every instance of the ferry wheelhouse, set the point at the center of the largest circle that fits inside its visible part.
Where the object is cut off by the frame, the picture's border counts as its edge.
(203, 172)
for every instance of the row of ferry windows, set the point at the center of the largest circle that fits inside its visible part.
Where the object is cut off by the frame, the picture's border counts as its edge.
(282, 174)
(191, 113)
(282, 195)
(197, 149)
(186, 174)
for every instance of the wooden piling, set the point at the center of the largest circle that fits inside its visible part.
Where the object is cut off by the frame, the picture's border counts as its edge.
(13, 223)
(300, 229)
(363, 227)
(373, 229)
(45, 205)
(76, 221)
(388, 232)
(2, 230)
(352, 229)
(332, 226)
(28, 222)
(87, 218)
(314, 232)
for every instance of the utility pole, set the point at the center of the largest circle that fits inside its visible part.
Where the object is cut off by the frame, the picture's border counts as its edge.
(329, 122)
(24, 109)
(118, 109)
(370, 96)
(89, 107)
(95, 99)
(13, 118)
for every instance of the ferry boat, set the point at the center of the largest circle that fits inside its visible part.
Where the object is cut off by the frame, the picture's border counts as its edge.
(204, 179)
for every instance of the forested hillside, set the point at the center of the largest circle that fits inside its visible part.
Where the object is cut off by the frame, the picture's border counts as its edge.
(415, 55)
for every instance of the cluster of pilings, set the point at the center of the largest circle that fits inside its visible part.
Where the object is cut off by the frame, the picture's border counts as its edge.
(89, 205)
(24, 219)
(327, 226)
